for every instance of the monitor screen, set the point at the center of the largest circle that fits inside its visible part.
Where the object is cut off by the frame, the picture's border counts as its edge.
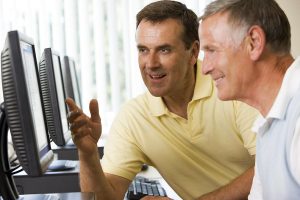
(23, 104)
(60, 92)
(33, 89)
(71, 81)
(54, 97)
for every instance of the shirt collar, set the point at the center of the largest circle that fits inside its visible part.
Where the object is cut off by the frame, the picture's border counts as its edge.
(203, 89)
(288, 88)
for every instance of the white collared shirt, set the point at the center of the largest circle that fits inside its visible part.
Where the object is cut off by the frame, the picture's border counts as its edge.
(290, 84)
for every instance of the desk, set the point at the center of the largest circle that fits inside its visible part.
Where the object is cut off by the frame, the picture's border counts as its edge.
(69, 182)
(152, 173)
(50, 182)
(69, 151)
(59, 196)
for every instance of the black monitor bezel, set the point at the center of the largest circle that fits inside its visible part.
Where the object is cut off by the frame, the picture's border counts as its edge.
(17, 106)
(67, 76)
(50, 98)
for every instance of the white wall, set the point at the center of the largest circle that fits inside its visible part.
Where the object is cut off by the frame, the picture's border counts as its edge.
(292, 10)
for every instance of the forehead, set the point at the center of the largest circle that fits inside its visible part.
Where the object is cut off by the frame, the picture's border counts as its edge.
(167, 31)
(215, 29)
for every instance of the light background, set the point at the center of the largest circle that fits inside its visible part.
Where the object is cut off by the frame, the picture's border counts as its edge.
(100, 36)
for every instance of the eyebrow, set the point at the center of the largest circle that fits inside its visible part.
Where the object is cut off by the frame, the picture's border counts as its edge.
(139, 46)
(163, 46)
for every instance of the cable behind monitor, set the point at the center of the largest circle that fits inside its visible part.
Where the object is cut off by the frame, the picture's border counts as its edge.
(8, 188)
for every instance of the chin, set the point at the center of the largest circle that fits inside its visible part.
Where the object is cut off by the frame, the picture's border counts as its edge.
(224, 96)
(156, 94)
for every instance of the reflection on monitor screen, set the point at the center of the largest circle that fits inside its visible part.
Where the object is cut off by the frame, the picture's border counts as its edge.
(33, 90)
(54, 97)
(23, 104)
(60, 92)
(71, 82)
(75, 81)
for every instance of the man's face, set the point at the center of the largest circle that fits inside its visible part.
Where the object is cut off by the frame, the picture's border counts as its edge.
(225, 56)
(166, 65)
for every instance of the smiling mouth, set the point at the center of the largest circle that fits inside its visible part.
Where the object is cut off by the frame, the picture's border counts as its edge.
(157, 76)
(218, 80)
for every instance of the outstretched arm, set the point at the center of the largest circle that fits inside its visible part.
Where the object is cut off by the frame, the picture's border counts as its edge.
(238, 189)
(86, 132)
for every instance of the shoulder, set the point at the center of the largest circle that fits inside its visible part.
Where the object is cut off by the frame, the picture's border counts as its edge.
(136, 104)
(135, 107)
(241, 107)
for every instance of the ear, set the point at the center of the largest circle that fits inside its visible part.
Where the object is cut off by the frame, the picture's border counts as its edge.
(256, 42)
(195, 52)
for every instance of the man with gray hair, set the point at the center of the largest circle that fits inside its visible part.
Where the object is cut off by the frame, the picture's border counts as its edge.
(246, 46)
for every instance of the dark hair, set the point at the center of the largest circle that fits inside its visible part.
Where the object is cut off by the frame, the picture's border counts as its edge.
(265, 13)
(162, 10)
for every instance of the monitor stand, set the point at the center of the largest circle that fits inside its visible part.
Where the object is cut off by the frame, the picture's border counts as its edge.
(50, 182)
(69, 151)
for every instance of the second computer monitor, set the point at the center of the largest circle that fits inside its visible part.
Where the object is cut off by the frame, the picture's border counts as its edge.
(71, 81)
(53, 93)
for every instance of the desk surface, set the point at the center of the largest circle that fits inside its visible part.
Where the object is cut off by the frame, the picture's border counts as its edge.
(152, 173)
(50, 182)
(59, 196)
(69, 151)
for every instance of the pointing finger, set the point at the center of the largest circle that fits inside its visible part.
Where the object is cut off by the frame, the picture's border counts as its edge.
(94, 110)
(71, 104)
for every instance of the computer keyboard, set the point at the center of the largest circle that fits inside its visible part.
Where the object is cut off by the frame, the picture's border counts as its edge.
(142, 186)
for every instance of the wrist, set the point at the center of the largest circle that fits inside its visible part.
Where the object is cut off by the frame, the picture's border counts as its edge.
(90, 152)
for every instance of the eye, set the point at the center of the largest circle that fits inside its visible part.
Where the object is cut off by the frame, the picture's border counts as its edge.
(142, 50)
(209, 50)
(165, 50)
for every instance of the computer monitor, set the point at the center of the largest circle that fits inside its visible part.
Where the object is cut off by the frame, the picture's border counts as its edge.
(71, 82)
(23, 104)
(53, 94)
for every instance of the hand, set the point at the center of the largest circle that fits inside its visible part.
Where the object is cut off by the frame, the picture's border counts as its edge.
(85, 130)
(207, 197)
(155, 198)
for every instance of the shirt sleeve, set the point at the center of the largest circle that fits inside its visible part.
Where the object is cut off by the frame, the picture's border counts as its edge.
(256, 190)
(122, 155)
(245, 117)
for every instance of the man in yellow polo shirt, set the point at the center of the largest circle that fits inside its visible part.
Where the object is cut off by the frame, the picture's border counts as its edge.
(202, 147)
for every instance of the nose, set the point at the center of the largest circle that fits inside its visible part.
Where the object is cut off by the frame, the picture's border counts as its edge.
(152, 60)
(207, 66)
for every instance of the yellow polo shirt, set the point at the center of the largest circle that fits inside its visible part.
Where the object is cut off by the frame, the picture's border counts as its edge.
(194, 156)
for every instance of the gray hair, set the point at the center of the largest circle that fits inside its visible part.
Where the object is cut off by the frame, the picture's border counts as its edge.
(265, 13)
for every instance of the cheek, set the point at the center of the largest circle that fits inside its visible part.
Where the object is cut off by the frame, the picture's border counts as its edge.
(227, 61)
(140, 61)
(141, 64)
(210, 60)
(234, 74)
